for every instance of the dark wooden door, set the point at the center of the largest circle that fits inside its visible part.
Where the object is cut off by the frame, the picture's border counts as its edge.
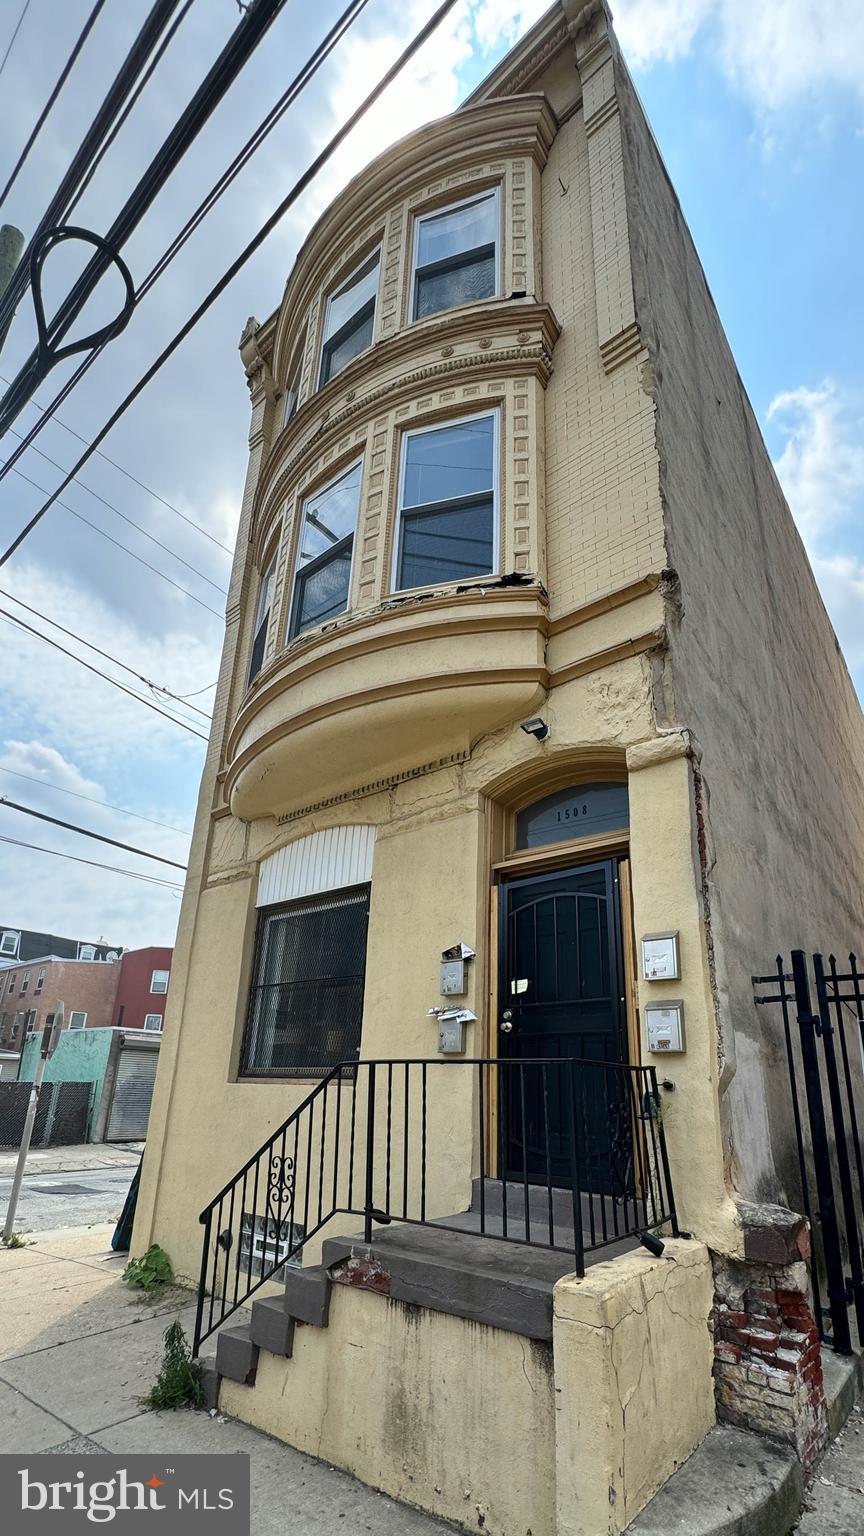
(561, 998)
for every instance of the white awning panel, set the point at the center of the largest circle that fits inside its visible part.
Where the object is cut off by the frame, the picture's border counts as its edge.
(323, 861)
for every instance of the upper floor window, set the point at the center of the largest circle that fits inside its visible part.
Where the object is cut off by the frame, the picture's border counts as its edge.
(262, 619)
(11, 986)
(292, 393)
(86, 951)
(323, 581)
(9, 942)
(349, 319)
(26, 982)
(447, 503)
(455, 256)
(159, 981)
(153, 1022)
(77, 1020)
(40, 979)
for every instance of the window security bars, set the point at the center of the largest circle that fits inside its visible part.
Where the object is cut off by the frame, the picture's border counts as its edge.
(322, 584)
(455, 259)
(825, 1061)
(366, 1144)
(306, 1003)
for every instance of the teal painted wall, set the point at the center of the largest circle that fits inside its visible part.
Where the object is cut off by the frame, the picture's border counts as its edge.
(81, 1057)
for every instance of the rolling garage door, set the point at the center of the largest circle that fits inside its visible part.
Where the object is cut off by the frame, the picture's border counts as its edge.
(133, 1090)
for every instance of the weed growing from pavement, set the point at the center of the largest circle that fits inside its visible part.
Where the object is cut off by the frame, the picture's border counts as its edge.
(179, 1383)
(15, 1240)
(151, 1273)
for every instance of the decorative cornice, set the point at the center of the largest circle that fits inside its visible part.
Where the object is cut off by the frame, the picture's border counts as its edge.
(525, 62)
(449, 146)
(377, 787)
(344, 401)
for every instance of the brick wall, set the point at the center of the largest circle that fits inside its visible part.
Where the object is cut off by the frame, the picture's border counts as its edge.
(83, 986)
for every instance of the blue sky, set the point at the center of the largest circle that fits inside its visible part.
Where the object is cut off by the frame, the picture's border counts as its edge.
(760, 117)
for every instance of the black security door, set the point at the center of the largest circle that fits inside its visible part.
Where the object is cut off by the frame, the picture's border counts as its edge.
(561, 995)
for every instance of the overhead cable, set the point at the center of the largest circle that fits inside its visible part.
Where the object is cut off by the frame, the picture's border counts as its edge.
(240, 261)
(172, 885)
(253, 143)
(14, 35)
(99, 837)
(148, 703)
(63, 77)
(105, 805)
(106, 655)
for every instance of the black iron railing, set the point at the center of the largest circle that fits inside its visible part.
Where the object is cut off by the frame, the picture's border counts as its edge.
(825, 1060)
(566, 1155)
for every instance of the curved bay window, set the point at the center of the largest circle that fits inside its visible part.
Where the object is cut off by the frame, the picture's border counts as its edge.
(455, 255)
(323, 581)
(306, 1003)
(583, 810)
(447, 503)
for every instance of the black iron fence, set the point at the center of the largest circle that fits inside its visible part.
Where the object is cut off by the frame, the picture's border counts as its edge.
(566, 1155)
(825, 1059)
(61, 1114)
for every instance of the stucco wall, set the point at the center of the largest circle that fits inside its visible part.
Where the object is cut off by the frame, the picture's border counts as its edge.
(755, 673)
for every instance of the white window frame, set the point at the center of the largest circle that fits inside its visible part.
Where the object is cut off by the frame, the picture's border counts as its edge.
(153, 1028)
(435, 213)
(334, 293)
(436, 426)
(159, 991)
(5, 936)
(25, 983)
(265, 576)
(77, 1013)
(11, 987)
(293, 632)
(82, 951)
(40, 980)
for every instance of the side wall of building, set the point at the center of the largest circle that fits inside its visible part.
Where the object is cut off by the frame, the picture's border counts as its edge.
(134, 996)
(755, 672)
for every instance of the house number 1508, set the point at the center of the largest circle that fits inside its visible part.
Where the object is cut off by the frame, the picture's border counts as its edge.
(568, 812)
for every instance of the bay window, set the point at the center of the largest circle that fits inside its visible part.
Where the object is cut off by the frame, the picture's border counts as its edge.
(262, 620)
(349, 319)
(447, 503)
(322, 583)
(455, 256)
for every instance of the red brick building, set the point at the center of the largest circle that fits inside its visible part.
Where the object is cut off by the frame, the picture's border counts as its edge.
(29, 991)
(142, 988)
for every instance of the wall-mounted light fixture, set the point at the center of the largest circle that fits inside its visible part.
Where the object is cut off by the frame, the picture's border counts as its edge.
(535, 727)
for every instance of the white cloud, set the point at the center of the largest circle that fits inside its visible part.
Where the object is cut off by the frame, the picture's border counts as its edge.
(822, 465)
(821, 469)
(776, 52)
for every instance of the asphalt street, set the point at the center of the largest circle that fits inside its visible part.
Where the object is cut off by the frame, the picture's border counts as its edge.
(50, 1200)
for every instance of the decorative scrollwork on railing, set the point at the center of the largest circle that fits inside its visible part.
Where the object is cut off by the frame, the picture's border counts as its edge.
(280, 1193)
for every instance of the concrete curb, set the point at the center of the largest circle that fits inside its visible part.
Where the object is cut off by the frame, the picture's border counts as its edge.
(735, 1484)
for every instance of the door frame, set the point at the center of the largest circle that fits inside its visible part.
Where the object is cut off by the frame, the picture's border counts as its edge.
(554, 859)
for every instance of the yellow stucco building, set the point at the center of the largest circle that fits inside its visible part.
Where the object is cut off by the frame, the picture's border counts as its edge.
(502, 474)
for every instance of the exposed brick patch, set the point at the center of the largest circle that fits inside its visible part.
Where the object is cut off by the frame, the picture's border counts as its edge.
(365, 1274)
(767, 1359)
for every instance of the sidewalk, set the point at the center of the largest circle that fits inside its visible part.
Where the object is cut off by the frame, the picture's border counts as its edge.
(834, 1503)
(77, 1159)
(79, 1349)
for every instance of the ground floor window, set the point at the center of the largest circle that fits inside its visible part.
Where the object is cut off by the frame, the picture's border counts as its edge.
(306, 1001)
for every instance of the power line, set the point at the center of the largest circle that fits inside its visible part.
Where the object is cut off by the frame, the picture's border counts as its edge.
(129, 476)
(14, 35)
(70, 826)
(172, 885)
(298, 84)
(126, 519)
(116, 542)
(64, 75)
(104, 675)
(91, 800)
(107, 655)
(240, 261)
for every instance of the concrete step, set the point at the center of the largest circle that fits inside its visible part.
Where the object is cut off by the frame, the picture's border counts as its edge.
(237, 1355)
(271, 1327)
(307, 1295)
(550, 1216)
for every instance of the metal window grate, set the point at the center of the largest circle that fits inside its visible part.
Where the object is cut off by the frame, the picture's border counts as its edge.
(306, 1003)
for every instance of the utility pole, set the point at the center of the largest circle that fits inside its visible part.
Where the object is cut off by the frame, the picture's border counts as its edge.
(11, 246)
(50, 1036)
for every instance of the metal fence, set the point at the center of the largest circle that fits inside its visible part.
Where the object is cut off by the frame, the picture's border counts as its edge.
(825, 1060)
(567, 1155)
(61, 1115)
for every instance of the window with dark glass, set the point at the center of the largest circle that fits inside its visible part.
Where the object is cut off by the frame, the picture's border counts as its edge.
(322, 584)
(349, 319)
(455, 257)
(262, 620)
(447, 504)
(584, 810)
(292, 393)
(306, 1003)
